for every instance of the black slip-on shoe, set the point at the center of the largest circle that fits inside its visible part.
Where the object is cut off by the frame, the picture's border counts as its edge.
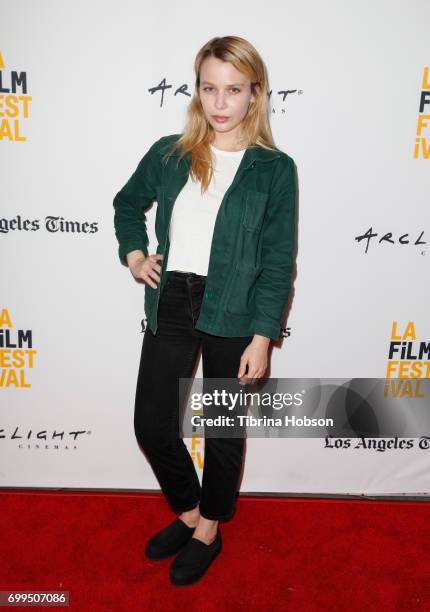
(169, 540)
(193, 560)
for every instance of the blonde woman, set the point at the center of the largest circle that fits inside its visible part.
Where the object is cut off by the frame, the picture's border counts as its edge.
(219, 281)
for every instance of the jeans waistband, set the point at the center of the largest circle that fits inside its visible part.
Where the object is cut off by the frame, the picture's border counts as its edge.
(185, 275)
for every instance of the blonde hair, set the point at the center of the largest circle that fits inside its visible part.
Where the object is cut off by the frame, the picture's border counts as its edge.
(198, 133)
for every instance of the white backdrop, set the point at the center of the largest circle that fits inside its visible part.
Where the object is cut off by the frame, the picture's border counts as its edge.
(352, 76)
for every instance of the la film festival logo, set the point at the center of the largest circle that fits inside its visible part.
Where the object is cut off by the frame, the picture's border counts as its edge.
(408, 362)
(422, 147)
(17, 354)
(14, 103)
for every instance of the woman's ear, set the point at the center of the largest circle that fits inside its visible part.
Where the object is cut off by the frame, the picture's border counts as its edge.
(257, 89)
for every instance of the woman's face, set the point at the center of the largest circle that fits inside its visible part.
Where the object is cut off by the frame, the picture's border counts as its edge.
(225, 94)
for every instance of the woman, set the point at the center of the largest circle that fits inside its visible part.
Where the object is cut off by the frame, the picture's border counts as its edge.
(219, 281)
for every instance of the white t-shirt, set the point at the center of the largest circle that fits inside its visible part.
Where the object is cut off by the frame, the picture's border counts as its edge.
(193, 215)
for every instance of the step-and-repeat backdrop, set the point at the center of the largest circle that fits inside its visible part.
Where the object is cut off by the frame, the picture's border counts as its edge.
(86, 88)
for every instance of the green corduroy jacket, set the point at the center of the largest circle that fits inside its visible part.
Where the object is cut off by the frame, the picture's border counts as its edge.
(251, 258)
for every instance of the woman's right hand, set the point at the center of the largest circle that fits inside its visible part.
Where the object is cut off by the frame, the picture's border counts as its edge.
(145, 268)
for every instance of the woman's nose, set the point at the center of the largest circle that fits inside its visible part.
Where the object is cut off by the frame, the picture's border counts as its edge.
(220, 101)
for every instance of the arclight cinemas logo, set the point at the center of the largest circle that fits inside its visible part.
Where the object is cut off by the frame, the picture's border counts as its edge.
(389, 240)
(43, 439)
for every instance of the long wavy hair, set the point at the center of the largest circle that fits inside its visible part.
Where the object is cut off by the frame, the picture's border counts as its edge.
(255, 126)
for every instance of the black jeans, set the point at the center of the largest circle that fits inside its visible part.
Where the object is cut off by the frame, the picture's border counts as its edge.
(171, 354)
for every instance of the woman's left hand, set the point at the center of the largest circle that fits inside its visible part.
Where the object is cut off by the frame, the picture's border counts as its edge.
(255, 357)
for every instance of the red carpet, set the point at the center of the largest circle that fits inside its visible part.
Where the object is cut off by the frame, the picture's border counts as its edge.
(281, 554)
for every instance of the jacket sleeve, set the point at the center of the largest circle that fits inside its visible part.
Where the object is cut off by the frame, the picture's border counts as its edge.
(274, 281)
(131, 202)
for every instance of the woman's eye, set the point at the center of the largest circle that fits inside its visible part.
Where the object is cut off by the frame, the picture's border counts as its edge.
(233, 89)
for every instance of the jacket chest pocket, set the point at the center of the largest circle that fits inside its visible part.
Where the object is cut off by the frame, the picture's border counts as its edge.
(255, 208)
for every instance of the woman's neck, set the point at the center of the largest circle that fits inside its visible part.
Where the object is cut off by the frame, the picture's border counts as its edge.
(225, 142)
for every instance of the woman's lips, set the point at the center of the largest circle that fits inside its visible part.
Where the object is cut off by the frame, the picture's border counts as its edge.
(220, 118)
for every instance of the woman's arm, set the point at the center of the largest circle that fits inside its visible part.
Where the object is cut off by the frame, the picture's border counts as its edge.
(274, 281)
(131, 202)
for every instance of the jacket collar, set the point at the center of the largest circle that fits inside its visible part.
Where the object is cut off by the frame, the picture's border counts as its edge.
(253, 153)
